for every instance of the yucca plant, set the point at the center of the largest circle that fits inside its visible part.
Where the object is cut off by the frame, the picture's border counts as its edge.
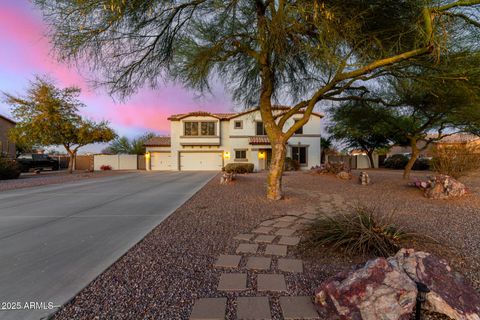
(361, 232)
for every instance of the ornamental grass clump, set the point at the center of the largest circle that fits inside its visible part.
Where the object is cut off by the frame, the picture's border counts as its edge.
(362, 232)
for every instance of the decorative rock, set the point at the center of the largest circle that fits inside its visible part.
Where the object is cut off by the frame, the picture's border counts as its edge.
(386, 289)
(376, 291)
(449, 292)
(344, 175)
(444, 187)
(364, 178)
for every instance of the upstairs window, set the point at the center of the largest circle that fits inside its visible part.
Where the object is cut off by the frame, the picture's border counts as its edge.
(260, 129)
(238, 124)
(299, 130)
(199, 128)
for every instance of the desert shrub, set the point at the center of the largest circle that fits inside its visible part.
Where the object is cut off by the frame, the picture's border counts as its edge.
(361, 232)
(399, 161)
(239, 168)
(291, 165)
(105, 167)
(9, 169)
(456, 160)
(421, 164)
(396, 161)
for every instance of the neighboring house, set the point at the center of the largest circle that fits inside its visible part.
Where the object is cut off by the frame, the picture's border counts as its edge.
(208, 141)
(454, 139)
(7, 147)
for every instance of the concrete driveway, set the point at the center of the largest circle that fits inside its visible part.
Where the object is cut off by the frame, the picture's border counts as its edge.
(54, 240)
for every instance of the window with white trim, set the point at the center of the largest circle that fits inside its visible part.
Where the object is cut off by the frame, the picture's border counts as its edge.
(238, 124)
(199, 128)
(240, 154)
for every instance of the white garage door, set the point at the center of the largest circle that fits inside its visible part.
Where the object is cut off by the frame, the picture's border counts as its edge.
(208, 161)
(160, 161)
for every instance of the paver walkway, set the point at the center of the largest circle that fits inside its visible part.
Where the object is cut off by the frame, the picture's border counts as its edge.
(261, 253)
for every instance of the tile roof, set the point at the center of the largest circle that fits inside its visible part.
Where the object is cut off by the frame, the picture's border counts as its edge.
(259, 140)
(226, 116)
(158, 142)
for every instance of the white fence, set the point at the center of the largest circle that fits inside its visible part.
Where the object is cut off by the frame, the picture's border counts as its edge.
(116, 161)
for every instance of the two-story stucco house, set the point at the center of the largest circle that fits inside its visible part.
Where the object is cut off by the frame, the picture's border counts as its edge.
(208, 141)
(7, 147)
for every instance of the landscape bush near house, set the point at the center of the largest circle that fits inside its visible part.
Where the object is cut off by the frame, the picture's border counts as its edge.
(331, 168)
(9, 169)
(361, 232)
(456, 160)
(239, 168)
(399, 161)
(291, 164)
(105, 167)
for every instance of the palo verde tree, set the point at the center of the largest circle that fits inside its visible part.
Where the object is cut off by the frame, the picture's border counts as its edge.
(48, 116)
(360, 126)
(427, 104)
(296, 52)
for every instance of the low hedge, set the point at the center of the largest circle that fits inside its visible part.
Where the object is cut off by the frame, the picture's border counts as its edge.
(9, 169)
(399, 161)
(396, 161)
(239, 168)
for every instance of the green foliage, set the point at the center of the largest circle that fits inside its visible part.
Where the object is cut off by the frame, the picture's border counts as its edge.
(9, 169)
(291, 164)
(396, 161)
(193, 41)
(239, 168)
(360, 126)
(48, 116)
(362, 232)
(123, 145)
(456, 160)
(399, 161)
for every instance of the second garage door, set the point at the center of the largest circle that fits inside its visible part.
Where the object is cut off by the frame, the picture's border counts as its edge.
(161, 161)
(205, 161)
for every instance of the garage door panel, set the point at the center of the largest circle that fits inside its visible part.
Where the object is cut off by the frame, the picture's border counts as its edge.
(205, 161)
(160, 161)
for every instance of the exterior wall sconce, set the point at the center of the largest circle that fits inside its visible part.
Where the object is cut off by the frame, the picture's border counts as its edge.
(261, 155)
(147, 155)
(226, 155)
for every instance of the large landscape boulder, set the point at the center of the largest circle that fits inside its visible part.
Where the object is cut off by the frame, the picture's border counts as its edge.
(376, 291)
(444, 187)
(449, 293)
(386, 289)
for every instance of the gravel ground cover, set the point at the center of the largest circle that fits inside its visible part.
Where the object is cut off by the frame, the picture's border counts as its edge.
(51, 177)
(162, 276)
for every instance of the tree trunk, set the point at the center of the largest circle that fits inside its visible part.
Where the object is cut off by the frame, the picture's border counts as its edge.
(370, 159)
(71, 161)
(274, 180)
(411, 162)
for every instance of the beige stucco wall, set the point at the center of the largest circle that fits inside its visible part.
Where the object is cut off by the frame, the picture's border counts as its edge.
(229, 139)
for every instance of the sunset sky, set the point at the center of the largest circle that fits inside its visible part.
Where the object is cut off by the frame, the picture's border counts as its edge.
(26, 52)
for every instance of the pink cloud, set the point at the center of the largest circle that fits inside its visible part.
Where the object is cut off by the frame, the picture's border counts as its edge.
(25, 51)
